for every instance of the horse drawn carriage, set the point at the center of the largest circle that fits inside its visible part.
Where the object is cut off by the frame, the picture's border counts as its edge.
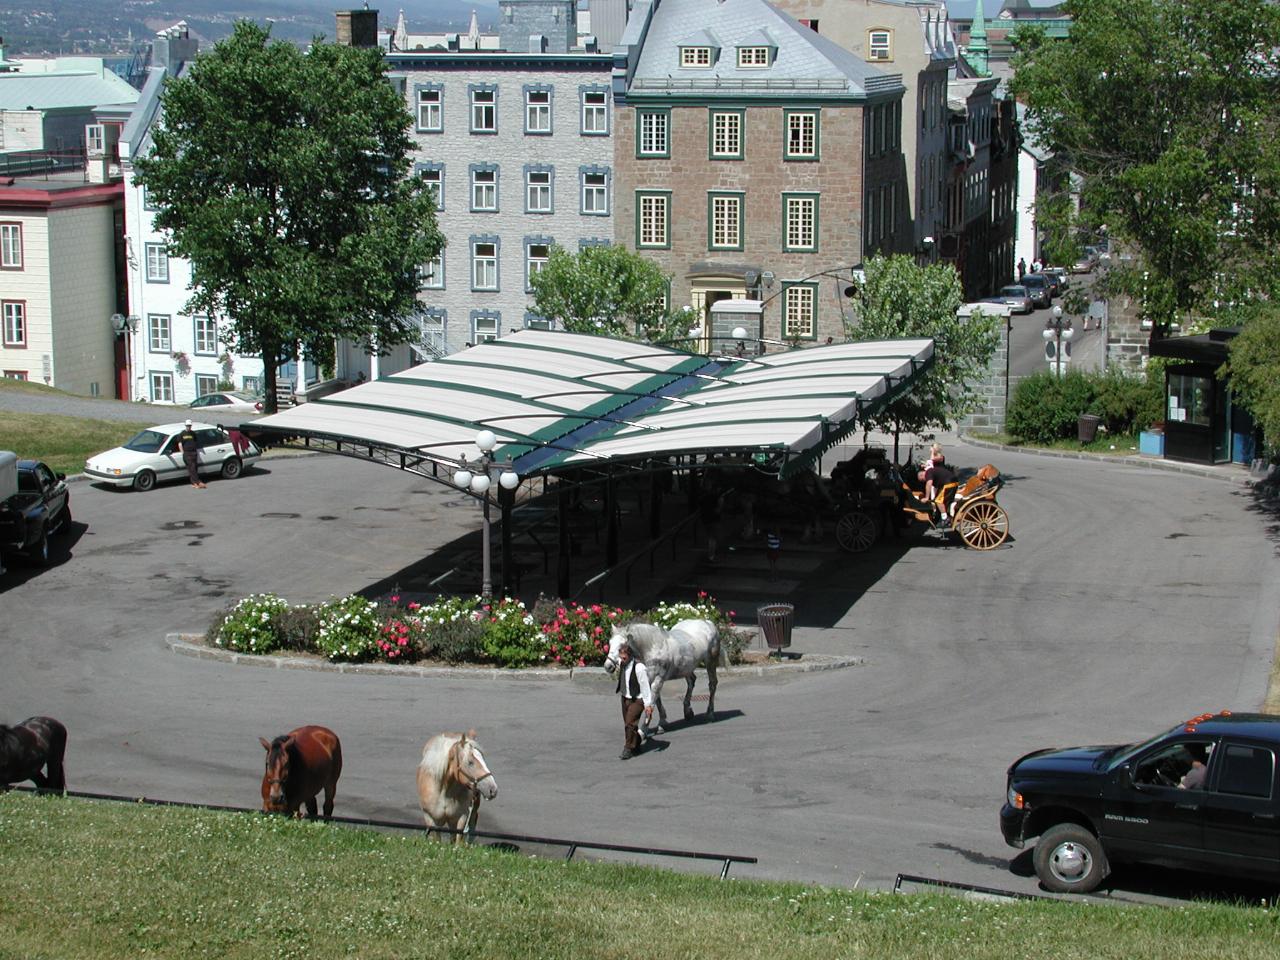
(879, 495)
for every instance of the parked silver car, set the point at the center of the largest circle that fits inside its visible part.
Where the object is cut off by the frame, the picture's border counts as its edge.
(1015, 297)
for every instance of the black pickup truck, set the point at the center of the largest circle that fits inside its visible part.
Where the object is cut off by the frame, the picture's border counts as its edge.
(1202, 796)
(41, 506)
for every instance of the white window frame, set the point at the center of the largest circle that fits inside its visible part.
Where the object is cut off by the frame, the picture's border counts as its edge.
(161, 387)
(484, 112)
(595, 196)
(95, 139)
(484, 190)
(14, 313)
(726, 136)
(696, 57)
(491, 330)
(206, 380)
(800, 223)
(159, 332)
(431, 110)
(537, 193)
(726, 222)
(535, 264)
(805, 123)
(655, 220)
(595, 113)
(157, 263)
(432, 273)
(799, 309)
(879, 44)
(206, 335)
(537, 113)
(655, 133)
(484, 265)
(10, 246)
(753, 58)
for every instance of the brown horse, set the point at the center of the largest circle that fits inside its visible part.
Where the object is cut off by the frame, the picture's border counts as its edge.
(299, 765)
(452, 777)
(30, 745)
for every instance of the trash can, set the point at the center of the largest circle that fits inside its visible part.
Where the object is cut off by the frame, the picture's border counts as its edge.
(775, 624)
(1087, 427)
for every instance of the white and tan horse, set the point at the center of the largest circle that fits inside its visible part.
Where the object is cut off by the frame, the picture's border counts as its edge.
(452, 777)
(670, 655)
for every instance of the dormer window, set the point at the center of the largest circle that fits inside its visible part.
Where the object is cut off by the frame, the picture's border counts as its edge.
(753, 57)
(695, 56)
(880, 44)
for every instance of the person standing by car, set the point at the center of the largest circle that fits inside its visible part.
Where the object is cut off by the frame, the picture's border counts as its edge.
(190, 454)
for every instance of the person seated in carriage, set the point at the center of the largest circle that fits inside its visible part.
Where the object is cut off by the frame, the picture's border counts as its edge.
(939, 481)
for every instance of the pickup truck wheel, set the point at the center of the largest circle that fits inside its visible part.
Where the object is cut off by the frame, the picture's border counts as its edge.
(1069, 859)
(144, 481)
(231, 468)
(39, 554)
(64, 527)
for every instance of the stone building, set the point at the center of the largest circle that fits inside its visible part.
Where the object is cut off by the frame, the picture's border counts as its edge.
(755, 159)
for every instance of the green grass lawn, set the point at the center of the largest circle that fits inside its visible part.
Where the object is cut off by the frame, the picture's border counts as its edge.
(62, 442)
(81, 878)
(1120, 445)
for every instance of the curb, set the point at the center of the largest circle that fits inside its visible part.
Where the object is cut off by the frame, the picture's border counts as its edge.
(189, 645)
(1170, 466)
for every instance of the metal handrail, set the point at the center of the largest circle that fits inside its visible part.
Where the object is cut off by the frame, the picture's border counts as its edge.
(727, 859)
(629, 561)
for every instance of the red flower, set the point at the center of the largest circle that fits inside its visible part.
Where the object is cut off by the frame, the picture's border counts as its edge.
(413, 605)
(395, 598)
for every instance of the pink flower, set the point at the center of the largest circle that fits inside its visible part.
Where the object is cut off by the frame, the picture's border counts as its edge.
(414, 605)
(595, 608)
(613, 614)
(582, 662)
(733, 613)
(395, 598)
(598, 630)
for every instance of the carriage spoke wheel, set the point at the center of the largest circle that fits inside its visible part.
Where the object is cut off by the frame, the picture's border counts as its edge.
(856, 531)
(984, 525)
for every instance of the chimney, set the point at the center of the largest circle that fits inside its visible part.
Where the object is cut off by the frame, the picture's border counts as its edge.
(357, 28)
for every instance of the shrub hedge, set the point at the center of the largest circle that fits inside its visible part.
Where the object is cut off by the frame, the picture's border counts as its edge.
(452, 629)
(1046, 408)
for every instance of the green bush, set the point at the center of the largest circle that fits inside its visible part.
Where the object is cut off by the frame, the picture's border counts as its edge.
(510, 638)
(450, 629)
(348, 629)
(252, 626)
(1046, 408)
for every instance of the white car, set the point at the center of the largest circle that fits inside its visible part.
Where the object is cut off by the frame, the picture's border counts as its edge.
(153, 455)
(224, 401)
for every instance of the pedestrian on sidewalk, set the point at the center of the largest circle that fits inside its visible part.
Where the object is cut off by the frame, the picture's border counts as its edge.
(637, 699)
(1022, 268)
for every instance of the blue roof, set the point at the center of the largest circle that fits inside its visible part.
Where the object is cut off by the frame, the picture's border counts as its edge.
(56, 91)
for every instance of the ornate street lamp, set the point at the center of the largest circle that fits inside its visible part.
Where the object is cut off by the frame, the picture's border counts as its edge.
(478, 476)
(1058, 330)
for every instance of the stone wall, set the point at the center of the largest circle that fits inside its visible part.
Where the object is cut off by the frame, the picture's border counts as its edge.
(996, 391)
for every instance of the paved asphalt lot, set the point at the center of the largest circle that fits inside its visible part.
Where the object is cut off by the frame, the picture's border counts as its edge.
(1129, 600)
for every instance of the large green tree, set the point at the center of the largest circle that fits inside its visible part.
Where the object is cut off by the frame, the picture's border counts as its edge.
(900, 298)
(1254, 366)
(282, 177)
(1167, 110)
(610, 291)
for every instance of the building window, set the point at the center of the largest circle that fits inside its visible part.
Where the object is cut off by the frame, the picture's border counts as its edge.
(15, 322)
(148, 203)
(595, 191)
(11, 246)
(726, 134)
(484, 265)
(537, 190)
(432, 340)
(431, 273)
(537, 253)
(800, 221)
(653, 219)
(799, 311)
(880, 44)
(157, 263)
(15, 375)
(653, 133)
(95, 140)
(585, 243)
(484, 110)
(485, 326)
(430, 109)
(724, 213)
(695, 56)
(206, 336)
(252, 385)
(432, 174)
(158, 332)
(811, 24)
(534, 322)
(802, 135)
(595, 112)
(205, 384)
(537, 110)
(162, 387)
(750, 57)
(484, 189)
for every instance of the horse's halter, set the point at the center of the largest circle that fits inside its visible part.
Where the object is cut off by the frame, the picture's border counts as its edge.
(471, 783)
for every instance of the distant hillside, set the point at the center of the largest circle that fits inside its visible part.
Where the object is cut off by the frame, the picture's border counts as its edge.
(51, 27)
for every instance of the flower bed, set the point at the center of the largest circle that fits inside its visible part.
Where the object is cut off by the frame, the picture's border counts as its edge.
(501, 632)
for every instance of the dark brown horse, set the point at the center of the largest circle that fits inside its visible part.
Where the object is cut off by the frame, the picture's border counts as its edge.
(299, 765)
(32, 744)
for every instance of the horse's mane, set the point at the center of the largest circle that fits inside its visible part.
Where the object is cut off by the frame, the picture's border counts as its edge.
(435, 756)
(644, 634)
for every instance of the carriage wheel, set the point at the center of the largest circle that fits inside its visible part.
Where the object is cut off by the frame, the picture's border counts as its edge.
(983, 525)
(855, 531)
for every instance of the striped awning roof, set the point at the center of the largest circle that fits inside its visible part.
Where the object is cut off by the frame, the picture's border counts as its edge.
(558, 400)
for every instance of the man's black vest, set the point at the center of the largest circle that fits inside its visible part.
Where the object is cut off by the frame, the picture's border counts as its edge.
(633, 685)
